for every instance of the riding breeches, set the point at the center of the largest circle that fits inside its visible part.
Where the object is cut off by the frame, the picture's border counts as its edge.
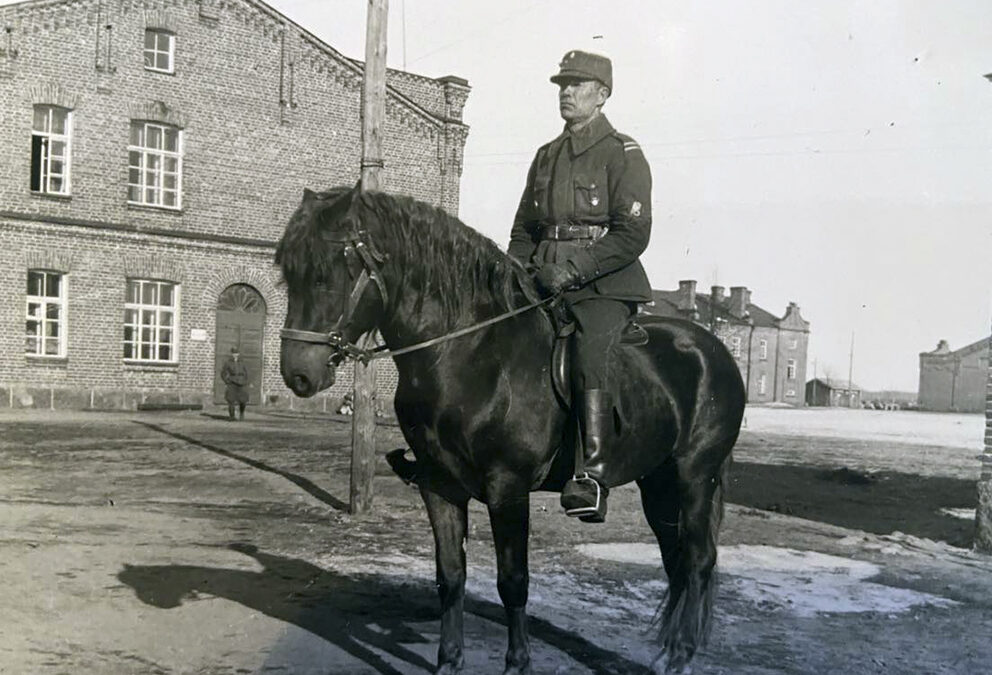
(599, 323)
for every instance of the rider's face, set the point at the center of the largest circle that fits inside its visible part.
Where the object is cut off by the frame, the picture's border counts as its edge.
(578, 100)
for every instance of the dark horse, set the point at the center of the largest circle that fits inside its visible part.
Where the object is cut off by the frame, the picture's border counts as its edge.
(480, 412)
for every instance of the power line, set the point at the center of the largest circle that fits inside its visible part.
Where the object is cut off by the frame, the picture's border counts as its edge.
(486, 28)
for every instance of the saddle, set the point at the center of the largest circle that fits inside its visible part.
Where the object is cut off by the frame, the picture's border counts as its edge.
(633, 335)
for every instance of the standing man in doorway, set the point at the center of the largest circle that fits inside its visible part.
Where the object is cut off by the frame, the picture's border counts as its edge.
(235, 376)
(583, 221)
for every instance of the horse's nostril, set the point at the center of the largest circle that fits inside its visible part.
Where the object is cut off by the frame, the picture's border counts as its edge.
(300, 383)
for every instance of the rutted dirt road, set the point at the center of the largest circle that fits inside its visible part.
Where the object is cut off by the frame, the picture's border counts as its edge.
(182, 543)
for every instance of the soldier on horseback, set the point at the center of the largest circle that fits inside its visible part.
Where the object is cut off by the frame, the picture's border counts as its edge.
(583, 220)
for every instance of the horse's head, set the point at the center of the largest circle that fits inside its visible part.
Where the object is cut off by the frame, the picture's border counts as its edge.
(335, 288)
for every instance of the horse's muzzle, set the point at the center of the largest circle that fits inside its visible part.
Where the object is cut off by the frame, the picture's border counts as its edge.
(305, 386)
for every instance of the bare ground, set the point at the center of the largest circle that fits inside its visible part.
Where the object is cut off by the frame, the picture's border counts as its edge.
(181, 543)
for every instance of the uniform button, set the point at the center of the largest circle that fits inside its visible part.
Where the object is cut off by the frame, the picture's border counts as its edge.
(593, 186)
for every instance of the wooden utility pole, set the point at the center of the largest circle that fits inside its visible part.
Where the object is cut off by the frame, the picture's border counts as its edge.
(373, 117)
(983, 514)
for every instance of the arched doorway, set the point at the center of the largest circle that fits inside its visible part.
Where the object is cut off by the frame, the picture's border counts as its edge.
(241, 324)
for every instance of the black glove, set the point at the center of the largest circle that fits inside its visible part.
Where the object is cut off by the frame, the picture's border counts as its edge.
(553, 278)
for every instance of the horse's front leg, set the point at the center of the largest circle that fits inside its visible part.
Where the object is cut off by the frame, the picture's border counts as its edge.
(449, 520)
(510, 518)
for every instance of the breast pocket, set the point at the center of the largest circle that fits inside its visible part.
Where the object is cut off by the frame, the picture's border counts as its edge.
(590, 196)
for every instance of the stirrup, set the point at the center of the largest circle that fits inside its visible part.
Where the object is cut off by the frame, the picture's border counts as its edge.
(588, 513)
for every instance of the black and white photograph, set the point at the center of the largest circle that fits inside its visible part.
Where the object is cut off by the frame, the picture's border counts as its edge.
(535, 337)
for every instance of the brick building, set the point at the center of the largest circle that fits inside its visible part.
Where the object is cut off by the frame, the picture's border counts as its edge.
(153, 152)
(770, 351)
(954, 381)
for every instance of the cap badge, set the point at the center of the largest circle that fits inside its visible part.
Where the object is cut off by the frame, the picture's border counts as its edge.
(594, 201)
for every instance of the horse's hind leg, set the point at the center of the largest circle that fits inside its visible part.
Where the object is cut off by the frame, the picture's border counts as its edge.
(449, 520)
(660, 499)
(684, 504)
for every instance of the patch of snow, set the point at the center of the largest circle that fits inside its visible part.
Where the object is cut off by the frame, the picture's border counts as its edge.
(805, 583)
(964, 514)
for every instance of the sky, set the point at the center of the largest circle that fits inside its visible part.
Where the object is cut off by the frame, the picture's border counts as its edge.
(834, 153)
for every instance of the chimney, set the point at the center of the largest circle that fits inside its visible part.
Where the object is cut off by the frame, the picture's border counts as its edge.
(687, 295)
(716, 295)
(740, 298)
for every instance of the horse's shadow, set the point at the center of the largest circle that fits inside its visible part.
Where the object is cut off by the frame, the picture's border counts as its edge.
(357, 613)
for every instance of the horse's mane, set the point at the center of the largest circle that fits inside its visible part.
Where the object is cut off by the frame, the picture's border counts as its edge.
(434, 251)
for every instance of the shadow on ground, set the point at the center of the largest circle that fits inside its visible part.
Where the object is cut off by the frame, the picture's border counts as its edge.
(879, 502)
(353, 612)
(304, 483)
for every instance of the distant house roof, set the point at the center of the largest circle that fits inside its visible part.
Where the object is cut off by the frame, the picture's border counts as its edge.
(943, 349)
(833, 383)
(666, 304)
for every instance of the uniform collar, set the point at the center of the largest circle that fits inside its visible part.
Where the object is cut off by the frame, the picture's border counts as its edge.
(589, 135)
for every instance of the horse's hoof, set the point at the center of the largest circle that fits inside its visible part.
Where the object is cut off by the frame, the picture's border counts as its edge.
(671, 664)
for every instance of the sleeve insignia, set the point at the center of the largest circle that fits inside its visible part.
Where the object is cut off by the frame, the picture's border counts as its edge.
(635, 209)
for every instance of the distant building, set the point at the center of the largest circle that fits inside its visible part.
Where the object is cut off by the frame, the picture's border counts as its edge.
(770, 351)
(954, 381)
(823, 391)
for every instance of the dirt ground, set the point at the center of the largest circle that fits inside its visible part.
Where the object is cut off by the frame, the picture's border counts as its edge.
(183, 543)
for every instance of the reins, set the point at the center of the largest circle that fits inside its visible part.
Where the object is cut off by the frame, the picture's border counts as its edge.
(342, 350)
(350, 350)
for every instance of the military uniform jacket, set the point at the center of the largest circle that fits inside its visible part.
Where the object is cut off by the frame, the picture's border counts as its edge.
(235, 376)
(595, 176)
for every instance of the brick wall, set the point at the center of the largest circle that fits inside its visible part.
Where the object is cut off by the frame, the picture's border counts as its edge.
(265, 108)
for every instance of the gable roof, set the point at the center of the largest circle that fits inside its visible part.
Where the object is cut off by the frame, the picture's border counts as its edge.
(56, 13)
(666, 304)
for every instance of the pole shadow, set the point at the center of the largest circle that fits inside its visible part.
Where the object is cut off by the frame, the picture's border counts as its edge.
(357, 613)
(304, 483)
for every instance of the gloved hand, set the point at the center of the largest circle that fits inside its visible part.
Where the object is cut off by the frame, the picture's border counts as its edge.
(554, 278)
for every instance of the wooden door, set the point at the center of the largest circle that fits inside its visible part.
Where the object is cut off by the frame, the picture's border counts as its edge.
(241, 324)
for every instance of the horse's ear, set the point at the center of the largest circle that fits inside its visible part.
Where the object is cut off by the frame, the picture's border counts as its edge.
(308, 195)
(332, 211)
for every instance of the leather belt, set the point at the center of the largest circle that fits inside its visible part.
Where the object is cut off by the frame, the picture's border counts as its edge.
(565, 232)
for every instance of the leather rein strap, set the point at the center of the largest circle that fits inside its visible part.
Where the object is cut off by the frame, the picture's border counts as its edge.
(342, 349)
(351, 350)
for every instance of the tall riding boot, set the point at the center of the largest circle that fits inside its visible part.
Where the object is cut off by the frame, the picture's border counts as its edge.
(241, 411)
(585, 495)
(230, 411)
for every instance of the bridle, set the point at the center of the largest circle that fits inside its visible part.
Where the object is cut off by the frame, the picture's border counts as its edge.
(370, 259)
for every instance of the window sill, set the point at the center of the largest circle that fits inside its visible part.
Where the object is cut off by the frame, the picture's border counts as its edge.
(54, 196)
(150, 366)
(54, 361)
(134, 206)
(159, 72)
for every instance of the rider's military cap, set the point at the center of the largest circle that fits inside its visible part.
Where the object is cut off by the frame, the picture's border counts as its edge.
(584, 66)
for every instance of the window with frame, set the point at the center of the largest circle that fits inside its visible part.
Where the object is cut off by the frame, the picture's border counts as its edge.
(735, 345)
(45, 333)
(160, 50)
(763, 350)
(50, 145)
(762, 384)
(151, 311)
(155, 165)
(790, 369)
